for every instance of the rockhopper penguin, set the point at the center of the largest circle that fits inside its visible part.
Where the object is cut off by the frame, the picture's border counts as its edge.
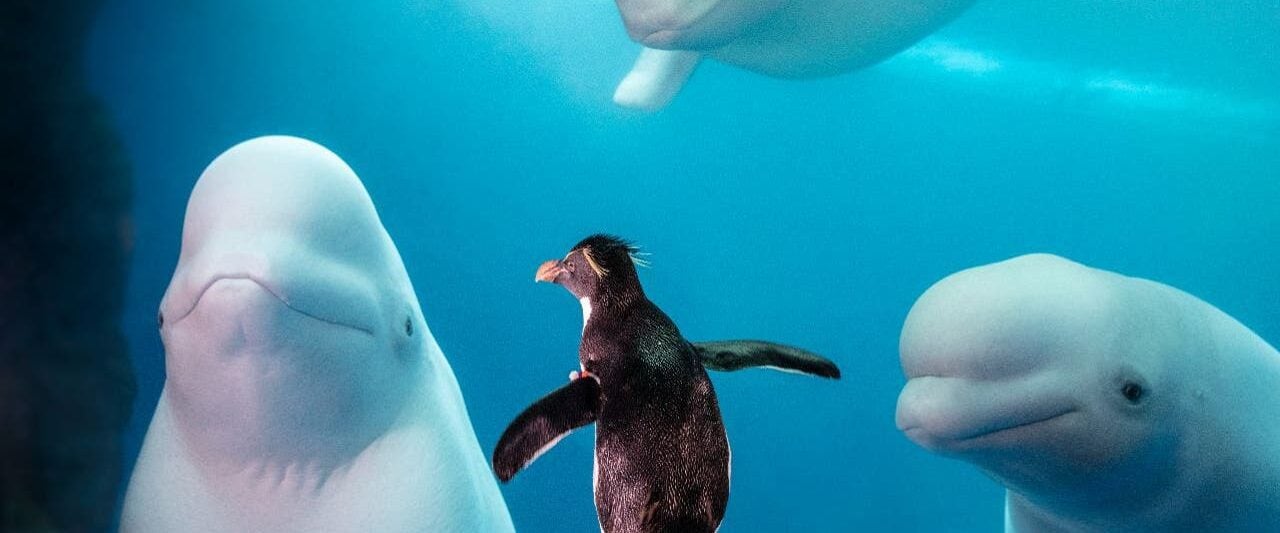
(661, 455)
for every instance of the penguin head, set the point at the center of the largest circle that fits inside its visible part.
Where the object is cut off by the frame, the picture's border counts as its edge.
(601, 268)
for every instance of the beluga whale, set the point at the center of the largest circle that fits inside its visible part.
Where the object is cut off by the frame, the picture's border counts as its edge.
(1101, 402)
(780, 38)
(304, 390)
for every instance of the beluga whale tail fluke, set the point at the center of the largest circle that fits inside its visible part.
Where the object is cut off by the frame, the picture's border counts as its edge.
(304, 390)
(780, 38)
(1101, 402)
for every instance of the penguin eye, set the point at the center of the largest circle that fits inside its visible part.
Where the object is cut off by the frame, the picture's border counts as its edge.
(160, 319)
(568, 265)
(1132, 392)
(408, 326)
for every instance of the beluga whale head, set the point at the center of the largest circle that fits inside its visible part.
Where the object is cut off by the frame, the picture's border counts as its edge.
(1039, 371)
(1102, 402)
(289, 302)
(303, 391)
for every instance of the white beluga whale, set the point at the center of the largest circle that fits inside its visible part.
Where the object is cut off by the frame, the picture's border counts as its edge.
(303, 391)
(781, 38)
(1101, 402)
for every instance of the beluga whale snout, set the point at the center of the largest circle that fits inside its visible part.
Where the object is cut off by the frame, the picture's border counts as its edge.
(957, 415)
(1101, 402)
(304, 390)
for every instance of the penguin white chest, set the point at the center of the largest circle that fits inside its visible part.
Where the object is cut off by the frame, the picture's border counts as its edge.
(586, 311)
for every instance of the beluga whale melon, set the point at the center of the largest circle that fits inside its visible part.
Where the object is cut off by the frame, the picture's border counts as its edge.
(1101, 402)
(781, 38)
(303, 391)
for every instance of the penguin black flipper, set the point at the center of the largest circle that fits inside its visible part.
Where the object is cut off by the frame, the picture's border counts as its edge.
(728, 356)
(544, 423)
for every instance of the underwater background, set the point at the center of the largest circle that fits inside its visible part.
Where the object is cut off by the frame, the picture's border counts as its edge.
(1138, 136)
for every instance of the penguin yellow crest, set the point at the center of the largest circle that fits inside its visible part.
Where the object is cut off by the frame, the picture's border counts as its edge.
(595, 266)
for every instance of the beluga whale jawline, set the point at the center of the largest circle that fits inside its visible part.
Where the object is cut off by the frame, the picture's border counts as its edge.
(781, 38)
(304, 391)
(1101, 402)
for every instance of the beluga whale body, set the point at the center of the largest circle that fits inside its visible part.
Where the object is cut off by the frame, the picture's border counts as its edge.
(304, 391)
(1101, 402)
(781, 38)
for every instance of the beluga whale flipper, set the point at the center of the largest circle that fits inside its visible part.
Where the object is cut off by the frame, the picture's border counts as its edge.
(303, 391)
(1101, 402)
(781, 38)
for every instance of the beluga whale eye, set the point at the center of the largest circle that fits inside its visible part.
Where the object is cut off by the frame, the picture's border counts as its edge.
(1133, 392)
(160, 319)
(408, 326)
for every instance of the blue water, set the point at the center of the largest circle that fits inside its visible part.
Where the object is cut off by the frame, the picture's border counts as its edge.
(1139, 136)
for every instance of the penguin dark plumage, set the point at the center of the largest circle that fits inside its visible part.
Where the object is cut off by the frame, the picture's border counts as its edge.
(662, 458)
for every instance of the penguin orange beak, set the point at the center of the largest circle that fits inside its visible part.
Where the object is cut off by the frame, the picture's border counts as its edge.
(549, 271)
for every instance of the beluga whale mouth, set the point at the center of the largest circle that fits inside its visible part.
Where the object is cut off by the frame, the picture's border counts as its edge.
(1010, 427)
(275, 293)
